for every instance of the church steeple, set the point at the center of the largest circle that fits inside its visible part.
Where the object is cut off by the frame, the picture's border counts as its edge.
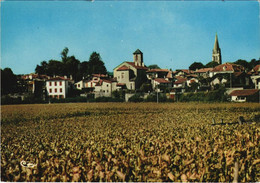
(138, 58)
(216, 55)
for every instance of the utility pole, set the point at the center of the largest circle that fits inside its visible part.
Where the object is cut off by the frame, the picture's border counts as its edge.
(157, 95)
(230, 80)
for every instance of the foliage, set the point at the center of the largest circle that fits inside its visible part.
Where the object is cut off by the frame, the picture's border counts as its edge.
(217, 95)
(136, 98)
(196, 65)
(243, 63)
(8, 81)
(146, 87)
(119, 94)
(211, 64)
(106, 99)
(153, 97)
(96, 65)
(154, 66)
(129, 142)
(70, 66)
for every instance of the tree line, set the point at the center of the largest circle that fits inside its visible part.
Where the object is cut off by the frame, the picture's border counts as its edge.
(70, 66)
(248, 65)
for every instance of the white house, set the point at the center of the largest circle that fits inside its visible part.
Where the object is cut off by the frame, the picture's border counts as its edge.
(105, 87)
(57, 87)
(160, 82)
(226, 68)
(256, 76)
(89, 85)
(249, 95)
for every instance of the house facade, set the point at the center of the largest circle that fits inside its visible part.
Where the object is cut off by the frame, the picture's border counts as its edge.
(57, 87)
(105, 87)
(160, 78)
(248, 95)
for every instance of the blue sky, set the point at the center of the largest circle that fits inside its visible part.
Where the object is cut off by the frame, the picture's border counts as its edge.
(171, 34)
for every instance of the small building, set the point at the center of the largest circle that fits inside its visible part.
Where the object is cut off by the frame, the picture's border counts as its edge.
(132, 74)
(161, 84)
(105, 87)
(203, 72)
(157, 73)
(88, 85)
(57, 87)
(249, 95)
(226, 68)
(180, 84)
(255, 76)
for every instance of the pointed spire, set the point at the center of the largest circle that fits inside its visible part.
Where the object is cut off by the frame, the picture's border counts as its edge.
(216, 45)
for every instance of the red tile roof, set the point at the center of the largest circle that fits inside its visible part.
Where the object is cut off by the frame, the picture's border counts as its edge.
(243, 93)
(202, 70)
(158, 70)
(120, 84)
(180, 80)
(161, 80)
(228, 67)
(256, 68)
(137, 67)
(123, 68)
(57, 79)
(99, 75)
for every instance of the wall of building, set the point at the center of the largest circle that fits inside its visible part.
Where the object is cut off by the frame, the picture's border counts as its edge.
(60, 90)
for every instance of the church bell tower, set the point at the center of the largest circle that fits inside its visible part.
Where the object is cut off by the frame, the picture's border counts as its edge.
(138, 58)
(216, 55)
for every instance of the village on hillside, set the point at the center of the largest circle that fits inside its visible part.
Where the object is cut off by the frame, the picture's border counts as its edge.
(134, 81)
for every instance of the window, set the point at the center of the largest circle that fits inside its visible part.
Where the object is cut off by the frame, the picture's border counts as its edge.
(61, 90)
(50, 83)
(78, 85)
(55, 83)
(50, 90)
(55, 90)
(107, 85)
(122, 75)
(107, 91)
(60, 83)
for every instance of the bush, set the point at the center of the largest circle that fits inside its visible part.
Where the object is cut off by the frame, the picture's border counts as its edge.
(106, 99)
(153, 98)
(136, 98)
(212, 96)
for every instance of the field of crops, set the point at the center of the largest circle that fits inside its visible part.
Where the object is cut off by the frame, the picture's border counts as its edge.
(129, 142)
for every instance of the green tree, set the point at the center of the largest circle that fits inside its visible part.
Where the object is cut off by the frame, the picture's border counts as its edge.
(96, 65)
(8, 81)
(196, 65)
(253, 63)
(154, 66)
(84, 69)
(64, 55)
(72, 68)
(244, 63)
(55, 68)
(146, 87)
(42, 69)
(211, 64)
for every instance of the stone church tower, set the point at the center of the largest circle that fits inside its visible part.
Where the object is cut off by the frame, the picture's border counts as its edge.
(216, 55)
(138, 58)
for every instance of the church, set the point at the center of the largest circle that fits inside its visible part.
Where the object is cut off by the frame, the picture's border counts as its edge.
(216, 55)
(131, 75)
